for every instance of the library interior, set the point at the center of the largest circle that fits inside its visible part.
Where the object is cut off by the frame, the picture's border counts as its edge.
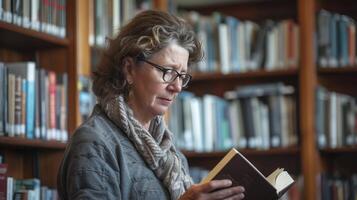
(266, 86)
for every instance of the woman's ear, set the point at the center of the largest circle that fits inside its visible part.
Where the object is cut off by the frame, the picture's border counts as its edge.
(129, 69)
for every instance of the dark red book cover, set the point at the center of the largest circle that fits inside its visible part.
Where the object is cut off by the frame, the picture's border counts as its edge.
(3, 181)
(236, 167)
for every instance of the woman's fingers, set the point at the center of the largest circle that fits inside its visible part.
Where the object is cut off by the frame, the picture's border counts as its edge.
(229, 193)
(214, 185)
(216, 189)
(236, 197)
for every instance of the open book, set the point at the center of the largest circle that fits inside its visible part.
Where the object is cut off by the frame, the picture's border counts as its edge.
(236, 167)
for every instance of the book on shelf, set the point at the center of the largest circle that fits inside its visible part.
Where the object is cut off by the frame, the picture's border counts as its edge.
(3, 179)
(39, 15)
(241, 171)
(235, 45)
(33, 102)
(3, 98)
(335, 119)
(23, 71)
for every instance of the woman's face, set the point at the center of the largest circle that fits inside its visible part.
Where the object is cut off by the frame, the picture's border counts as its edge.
(150, 95)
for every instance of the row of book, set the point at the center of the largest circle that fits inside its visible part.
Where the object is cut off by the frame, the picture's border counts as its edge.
(23, 189)
(336, 119)
(335, 187)
(255, 116)
(33, 102)
(106, 17)
(336, 40)
(234, 45)
(48, 16)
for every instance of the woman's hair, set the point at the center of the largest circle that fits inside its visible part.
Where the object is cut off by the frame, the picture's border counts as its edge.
(146, 34)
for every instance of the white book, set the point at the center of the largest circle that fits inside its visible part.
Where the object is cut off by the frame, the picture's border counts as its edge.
(10, 187)
(242, 48)
(35, 11)
(208, 105)
(223, 48)
(196, 112)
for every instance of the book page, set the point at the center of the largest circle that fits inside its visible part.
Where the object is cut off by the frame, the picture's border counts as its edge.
(283, 180)
(272, 177)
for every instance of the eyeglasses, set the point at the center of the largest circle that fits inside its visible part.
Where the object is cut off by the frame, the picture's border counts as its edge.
(170, 75)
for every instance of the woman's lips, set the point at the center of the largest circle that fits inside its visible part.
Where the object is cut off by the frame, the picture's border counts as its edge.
(165, 101)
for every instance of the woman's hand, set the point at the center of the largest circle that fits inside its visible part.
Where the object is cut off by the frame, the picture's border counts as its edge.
(216, 189)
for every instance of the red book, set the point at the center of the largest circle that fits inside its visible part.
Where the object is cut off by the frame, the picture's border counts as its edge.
(52, 107)
(3, 181)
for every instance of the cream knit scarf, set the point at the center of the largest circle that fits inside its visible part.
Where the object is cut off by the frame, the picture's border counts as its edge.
(155, 146)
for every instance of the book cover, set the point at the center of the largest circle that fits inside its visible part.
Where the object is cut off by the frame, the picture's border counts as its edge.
(3, 97)
(236, 167)
(3, 181)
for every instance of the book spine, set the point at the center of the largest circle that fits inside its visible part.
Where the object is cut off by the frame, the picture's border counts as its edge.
(17, 105)
(23, 107)
(2, 99)
(30, 104)
(11, 106)
(52, 104)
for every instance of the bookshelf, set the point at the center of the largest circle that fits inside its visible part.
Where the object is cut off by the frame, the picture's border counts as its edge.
(31, 158)
(305, 159)
(311, 160)
(22, 143)
(339, 161)
(14, 35)
(216, 83)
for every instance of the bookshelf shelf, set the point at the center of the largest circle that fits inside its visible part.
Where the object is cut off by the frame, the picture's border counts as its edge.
(342, 80)
(19, 38)
(26, 143)
(338, 71)
(197, 77)
(340, 150)
(55, 56)
(247, 152)
(218, 83)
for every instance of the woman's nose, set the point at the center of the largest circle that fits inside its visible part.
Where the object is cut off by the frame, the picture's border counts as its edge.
(176, 85)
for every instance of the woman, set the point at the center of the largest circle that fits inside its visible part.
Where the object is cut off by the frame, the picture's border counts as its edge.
(124, 150)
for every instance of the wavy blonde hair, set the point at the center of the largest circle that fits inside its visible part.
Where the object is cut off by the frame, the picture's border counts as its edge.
(146, 34)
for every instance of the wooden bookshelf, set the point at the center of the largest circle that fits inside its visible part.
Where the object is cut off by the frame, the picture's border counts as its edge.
(340, 160)
(18, 143)
(246, 152)
(201, 77)
(310, 160)
(306, 159)
(38, 158)
(253, 10)
(352, 70)
(342, 79)
(218, 83)
(19, 38)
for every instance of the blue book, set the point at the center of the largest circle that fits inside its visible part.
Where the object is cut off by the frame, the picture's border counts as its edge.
(334, 40)
(233, 38)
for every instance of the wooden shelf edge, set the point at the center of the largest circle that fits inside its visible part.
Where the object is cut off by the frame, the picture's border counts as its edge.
(28, 143)
(31, 35)
(246, 152)
(252, 74)
(339, 150)
(339, 70)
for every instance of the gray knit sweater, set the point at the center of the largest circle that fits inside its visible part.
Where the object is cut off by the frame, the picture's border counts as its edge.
(101, 163)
